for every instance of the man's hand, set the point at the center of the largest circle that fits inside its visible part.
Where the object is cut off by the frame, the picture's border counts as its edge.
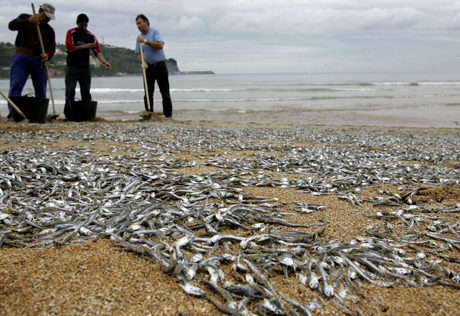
(34, 19)
(44, 57)
(107, 66)
(141, 39)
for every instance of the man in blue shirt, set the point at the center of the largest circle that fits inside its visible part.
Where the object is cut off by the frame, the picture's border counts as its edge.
(155, 65)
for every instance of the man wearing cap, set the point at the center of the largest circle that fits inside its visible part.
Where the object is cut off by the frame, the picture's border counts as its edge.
(29, 59)
(152, 43)
(78, 43)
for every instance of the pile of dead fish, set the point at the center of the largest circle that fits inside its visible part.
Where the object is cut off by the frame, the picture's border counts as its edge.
(195, 225)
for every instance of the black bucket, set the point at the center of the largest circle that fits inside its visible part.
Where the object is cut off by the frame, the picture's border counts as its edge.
(82, 110)
(34, 108)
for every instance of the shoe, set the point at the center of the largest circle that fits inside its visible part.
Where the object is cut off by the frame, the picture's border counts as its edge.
(9, 119)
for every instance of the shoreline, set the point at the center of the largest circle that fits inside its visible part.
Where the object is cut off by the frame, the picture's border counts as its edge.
(94, 275)
(430, 117)
(159, 118)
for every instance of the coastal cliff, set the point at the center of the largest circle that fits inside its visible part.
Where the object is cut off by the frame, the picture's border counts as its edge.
(123, 60)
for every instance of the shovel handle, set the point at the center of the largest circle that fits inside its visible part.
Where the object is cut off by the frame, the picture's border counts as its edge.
(12, 103)
(145, 77)
(46, 63)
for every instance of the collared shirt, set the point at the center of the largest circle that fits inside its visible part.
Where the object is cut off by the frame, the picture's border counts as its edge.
(28, 36)
(80, 58)
(151, 55)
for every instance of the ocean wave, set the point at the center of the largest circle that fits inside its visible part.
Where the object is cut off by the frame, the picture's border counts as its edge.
(137, 90)
(311, 97)
(104, 101)
(371, 84)
(286, 99)
(112, 101)
(210, 90)
(252, 100)
(261, 89)
(113, 90)
(453, 83)
(411, 84)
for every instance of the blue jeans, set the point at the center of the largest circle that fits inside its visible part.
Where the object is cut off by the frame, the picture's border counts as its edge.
(21, 67)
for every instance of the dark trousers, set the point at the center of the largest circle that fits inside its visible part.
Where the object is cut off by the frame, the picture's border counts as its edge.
(158, 72)
(72, 76)
(21, 67)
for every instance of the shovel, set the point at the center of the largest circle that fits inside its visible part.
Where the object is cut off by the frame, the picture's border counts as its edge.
(145, 83)
(49, 117)
(14, 106)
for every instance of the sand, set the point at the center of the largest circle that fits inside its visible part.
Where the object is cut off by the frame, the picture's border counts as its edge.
(96, 278)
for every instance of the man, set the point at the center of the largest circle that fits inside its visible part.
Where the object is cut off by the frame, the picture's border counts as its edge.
(29, 59)
(79, 41)
(155, 65)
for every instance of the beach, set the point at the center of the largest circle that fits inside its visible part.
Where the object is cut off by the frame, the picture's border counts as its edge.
(351, 180)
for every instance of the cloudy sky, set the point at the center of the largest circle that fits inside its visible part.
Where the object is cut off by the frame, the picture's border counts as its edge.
(273, 36)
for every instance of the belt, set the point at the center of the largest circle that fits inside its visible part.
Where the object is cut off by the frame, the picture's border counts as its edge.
(156, 64)
(26, 51)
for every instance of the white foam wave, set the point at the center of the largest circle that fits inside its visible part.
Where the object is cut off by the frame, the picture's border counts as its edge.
(445, 83)
(453, 83)
(241, 100)
(206, 90)
(104, 101)
(114, 90)
(111, 101)
(237, 110)
(141, 90)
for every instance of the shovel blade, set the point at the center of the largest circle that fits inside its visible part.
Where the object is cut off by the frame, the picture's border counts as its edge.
(51, 117)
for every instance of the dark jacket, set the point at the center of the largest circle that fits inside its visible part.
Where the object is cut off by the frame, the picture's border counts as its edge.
(80, 58)
(28, 36)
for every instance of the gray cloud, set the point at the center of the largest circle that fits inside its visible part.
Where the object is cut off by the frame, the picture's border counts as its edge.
(276, 35)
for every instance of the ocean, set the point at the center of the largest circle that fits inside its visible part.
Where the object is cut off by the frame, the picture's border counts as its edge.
(385, 99)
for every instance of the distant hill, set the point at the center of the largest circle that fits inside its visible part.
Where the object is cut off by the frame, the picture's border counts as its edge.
(123, 60)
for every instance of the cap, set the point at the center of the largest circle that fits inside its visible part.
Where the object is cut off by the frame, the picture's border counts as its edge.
(49, 10)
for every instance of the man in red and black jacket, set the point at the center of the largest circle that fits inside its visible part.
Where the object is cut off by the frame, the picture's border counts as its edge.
(78, 43)
(28, 59)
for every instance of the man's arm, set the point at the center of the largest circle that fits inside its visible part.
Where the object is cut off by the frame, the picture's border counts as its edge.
(86, 46)
(153, 44)
(97, 50)
(103, 61)
(22, 21)
(70, 46)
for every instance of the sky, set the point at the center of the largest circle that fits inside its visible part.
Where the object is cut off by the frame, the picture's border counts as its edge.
(275, 36)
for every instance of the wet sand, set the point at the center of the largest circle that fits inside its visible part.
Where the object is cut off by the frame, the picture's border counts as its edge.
(420, 117)
(95, 277)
